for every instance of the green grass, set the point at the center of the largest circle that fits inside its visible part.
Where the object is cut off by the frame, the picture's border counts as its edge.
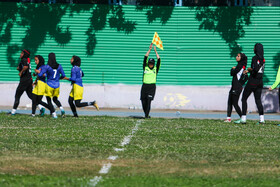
(163, 152)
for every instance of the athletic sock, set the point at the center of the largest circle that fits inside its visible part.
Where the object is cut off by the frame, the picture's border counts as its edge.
(40, 107)
(243, 118)
(61, 108)
(13, 111)
(54, 115)
(261, 118)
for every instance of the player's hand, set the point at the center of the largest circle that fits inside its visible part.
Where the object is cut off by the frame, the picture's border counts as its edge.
(233, 67)
(245, 71)
(151, 46)
(269, 88)
(37, 71)
(249, 69)
(20, 74)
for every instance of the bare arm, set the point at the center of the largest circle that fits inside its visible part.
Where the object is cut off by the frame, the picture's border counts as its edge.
(150, 48)
(155, 49)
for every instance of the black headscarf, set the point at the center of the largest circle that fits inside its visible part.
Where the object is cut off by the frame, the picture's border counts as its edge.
(243, 59)
(41, 61)
(77, 61)
(26, 53)
(258, 50)
(52, 61)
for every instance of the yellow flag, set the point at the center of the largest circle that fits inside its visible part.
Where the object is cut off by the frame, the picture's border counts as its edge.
(157, 41)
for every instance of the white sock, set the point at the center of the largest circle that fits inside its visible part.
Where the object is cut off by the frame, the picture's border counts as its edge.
(54, 114)
(61, 108)
(13, 111)
(40, 107)
(262, 118)
(243, 118)
(228, 118)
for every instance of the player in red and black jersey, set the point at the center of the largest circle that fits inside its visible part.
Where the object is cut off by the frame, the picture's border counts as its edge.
(25, 83)
(255, 83)
(239, 77)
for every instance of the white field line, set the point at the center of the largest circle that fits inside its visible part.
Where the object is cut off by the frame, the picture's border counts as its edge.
(106, 167)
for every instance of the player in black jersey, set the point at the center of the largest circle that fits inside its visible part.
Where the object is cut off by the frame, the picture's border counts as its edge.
(239, 77)
(25, 83)
(255, 83)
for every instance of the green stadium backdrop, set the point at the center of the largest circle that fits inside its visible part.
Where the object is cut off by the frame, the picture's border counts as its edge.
(200, 43)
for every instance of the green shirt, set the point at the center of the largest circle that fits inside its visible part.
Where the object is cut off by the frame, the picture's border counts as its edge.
(277, 81)
(150, 75)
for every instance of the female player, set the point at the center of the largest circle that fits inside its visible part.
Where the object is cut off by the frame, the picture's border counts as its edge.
(239, 77)
(77, 91)
(40, 87)
(148, 89)
(53, 71)
(25, 83)
(254, 84)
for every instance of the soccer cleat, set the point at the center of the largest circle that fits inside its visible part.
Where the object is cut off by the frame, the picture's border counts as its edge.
(278, 125)
(227, 121)
(54, 117)
(147, 117)
(261, 123)
(239, 122)
(42, 112)
(62, 113)
(95, 105)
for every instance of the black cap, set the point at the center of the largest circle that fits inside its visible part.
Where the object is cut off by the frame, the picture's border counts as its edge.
(152, 61)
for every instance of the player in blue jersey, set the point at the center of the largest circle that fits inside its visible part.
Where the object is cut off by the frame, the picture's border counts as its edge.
(40, 88)
(53, 71)
(76, 93)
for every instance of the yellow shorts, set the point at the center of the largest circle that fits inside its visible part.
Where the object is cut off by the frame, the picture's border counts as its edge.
(52, 92)
(77, 92)
(40, 88)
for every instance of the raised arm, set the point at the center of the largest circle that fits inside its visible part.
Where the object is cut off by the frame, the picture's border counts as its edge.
(158, 59)
(146, 56)
(155, 49)
(150, 48)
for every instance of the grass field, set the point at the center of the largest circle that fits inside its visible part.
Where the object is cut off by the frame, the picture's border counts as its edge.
(162, 152)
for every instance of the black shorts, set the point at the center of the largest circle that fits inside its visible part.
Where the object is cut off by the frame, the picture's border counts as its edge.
(148, 91)
(25, 85)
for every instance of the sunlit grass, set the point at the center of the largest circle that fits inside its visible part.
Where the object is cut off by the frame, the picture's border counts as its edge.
(163, 152)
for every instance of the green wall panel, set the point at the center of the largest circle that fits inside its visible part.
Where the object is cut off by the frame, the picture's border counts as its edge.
(200, 42)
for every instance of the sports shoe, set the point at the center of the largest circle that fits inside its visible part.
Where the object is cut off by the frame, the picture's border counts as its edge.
(95, 105)
(227, 121)
(62, 113)
(42, 112)
(261, 123)
(11, 114)
(239, 122)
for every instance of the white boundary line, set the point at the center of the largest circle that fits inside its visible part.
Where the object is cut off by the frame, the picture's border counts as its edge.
(106, 167)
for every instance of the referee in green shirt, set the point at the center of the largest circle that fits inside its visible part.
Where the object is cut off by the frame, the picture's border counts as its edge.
(148, 89)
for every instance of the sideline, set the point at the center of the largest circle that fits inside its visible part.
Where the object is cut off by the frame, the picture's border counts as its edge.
(107, 166)
(157, 113)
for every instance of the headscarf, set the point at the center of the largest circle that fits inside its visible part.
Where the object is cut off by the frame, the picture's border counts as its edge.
(258, 50)
(77, 61)
(52, 61)
(41, 61)
(26, 53)
(243, 59)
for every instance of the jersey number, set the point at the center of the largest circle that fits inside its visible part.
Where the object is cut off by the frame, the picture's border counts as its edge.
(55, 71)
